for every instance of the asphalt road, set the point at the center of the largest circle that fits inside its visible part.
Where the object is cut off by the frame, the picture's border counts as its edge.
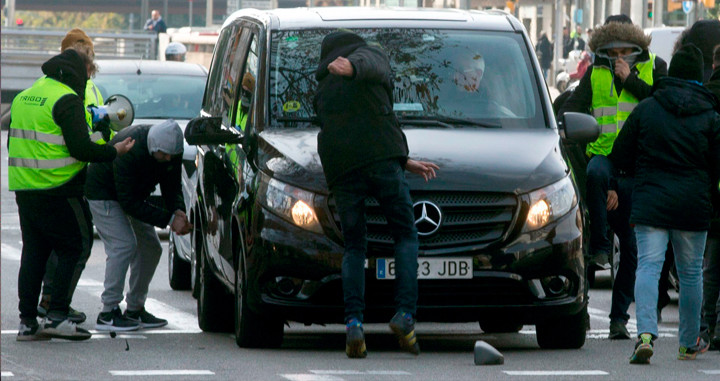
(181, 351)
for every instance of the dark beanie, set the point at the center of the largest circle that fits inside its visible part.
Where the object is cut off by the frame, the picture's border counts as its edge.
(623, 19)
(687, 63)
(338, 39)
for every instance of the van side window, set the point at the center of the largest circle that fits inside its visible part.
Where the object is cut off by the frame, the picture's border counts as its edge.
(212, 95)
(247, 88)
(232, 75)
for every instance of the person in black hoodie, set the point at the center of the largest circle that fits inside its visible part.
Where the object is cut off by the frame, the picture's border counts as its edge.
(363, 151)
(671, 142)
(125, 217)
(48, 147)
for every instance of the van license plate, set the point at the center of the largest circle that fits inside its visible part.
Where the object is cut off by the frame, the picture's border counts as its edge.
(429, 268)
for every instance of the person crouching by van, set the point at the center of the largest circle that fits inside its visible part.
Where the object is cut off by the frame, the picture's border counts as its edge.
(125, 218)
(671, 141)
(364, 153)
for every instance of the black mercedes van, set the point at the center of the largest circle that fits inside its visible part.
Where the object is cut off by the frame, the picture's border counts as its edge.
(501, 228)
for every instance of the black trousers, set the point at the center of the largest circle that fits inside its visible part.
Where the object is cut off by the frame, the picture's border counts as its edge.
(50, 223)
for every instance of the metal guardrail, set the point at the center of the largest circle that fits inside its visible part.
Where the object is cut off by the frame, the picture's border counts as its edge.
(20, 42)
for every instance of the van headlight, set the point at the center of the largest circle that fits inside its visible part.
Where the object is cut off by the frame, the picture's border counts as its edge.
(550, 203)
(291, 203)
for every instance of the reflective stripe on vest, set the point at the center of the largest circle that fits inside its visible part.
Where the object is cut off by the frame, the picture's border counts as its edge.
(612, 110)
(37, 155)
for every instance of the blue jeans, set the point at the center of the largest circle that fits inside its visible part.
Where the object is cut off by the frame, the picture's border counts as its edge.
(384, 180)
(600, 172)
(688, 247)
(711, 285)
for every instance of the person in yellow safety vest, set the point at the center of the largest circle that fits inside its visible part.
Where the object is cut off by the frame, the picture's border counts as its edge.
(78, 40)
(621, 76)
(48, 148)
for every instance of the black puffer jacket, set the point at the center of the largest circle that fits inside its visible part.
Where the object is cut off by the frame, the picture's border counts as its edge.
(356, 114)
(131, 179)
(671, 142)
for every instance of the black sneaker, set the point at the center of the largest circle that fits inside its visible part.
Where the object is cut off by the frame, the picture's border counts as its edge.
(74, 315)
(145, 319)
(403, 326)
(63, 329)
(355, 340)
(618, 331)
(643, 349)
(30, 332)
(115, 321)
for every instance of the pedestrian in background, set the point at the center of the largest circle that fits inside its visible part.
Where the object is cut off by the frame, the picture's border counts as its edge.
(125, 218)
(76, 39)
(48, 147)
(155, 23)
(671, 142)
(710, 325)
(364, 153)
(705, 34)
(544, 51)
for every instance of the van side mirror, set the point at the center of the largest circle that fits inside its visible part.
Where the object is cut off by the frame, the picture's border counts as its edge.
(209, 131)
(580, 128)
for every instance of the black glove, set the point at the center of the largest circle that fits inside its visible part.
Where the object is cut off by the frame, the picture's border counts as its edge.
(103, 125)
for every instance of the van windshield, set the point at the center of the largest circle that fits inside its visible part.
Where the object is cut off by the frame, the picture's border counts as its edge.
(460, 78)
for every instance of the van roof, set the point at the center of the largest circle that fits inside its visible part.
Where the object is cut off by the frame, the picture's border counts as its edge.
(371, 17)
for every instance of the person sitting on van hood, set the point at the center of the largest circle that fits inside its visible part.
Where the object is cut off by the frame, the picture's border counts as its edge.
(671, 143)
(622, 75)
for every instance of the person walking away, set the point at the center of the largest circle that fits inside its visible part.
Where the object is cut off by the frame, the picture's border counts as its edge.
(544, 50)
(78, 40)
(125, 218)
(48, 147)
(363, 152)
(710, 325)
(622, 74)
(671, 142)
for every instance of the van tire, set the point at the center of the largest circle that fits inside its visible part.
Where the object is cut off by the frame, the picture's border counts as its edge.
(566, 332)
(213, 302)
(178, 269)
(253, 330)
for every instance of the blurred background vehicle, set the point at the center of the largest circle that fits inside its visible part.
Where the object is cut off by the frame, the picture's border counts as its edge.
(162, 90)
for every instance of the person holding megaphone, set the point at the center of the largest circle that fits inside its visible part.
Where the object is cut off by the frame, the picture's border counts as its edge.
(48, 150)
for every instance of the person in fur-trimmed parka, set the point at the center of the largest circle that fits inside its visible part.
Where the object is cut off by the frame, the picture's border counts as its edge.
(621, 76)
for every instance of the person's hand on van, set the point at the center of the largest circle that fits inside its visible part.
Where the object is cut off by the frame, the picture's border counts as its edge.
(612, 200)
(423, 168)
(341, 66)
(124, 146)
(622, 69)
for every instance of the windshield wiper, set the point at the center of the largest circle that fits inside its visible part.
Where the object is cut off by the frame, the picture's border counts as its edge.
(445, 121)
(312, 119)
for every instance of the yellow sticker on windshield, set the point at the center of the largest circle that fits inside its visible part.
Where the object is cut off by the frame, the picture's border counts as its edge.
(291, 106)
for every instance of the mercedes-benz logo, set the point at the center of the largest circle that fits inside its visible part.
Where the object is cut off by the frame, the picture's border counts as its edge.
(427, 217)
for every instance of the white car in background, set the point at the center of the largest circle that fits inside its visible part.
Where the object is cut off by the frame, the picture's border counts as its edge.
(161, 90)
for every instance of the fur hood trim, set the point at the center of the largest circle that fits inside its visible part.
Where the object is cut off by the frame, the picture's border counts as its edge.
(615, 31)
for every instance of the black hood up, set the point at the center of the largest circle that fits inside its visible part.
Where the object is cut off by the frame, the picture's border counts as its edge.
(334, 45)
(68, 68)
(681, 97)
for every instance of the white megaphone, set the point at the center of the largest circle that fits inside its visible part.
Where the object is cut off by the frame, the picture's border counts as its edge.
(118, 111)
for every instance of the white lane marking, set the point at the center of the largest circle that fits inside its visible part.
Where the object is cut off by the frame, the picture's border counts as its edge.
(169, 372)
(9, 252)
(555, 372)
(149, 331)
(360, 372)
(604, 317)
(85, 282)
(710, 371)
(311, 377)
(7, 374)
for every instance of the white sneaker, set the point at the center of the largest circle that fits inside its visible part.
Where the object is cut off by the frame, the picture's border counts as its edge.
(64, 329)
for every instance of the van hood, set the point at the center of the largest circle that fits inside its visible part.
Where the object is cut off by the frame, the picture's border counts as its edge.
(470, 159)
